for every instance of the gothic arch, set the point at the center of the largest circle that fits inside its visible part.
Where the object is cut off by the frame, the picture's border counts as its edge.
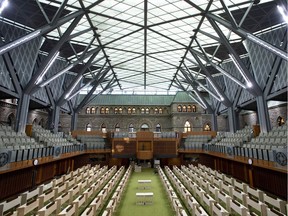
(11, 119)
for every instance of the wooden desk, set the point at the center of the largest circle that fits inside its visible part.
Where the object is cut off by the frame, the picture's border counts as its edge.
(144, 198)
(144, 184)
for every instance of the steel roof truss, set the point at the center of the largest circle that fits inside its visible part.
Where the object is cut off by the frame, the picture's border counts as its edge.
(41, 70)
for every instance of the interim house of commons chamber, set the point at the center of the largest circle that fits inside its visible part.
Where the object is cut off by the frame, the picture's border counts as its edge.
(141, 107)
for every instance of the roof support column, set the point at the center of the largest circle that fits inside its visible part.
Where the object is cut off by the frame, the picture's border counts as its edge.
(22, 113)
(263, 114)
(74, 121)
(232, 119)
(55, 118)
(214, 123)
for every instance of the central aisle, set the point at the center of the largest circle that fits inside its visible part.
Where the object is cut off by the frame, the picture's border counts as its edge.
(160, 206)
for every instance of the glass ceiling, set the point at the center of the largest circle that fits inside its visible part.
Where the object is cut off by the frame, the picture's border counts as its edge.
(145, 47)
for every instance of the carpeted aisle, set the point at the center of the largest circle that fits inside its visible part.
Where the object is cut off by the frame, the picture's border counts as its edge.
(160, 206)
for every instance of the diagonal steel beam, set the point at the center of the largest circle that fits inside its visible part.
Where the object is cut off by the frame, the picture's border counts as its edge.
(61, 100)
(59, 12)
(131, 59)
(210, 36)
(42, 31)
(126, 35)
(231, 18)
(194, 35)
(56, 16)
(174, 20)
(98, 40)
(244, 34)
(88, 97)
(202, 101)
(45, 64)
(163, 61)
(169, 38)
(67, 68)
(249, 78)
(217, 67)
(225, 101)
(95, 81)
(115, 18)
(79, 33)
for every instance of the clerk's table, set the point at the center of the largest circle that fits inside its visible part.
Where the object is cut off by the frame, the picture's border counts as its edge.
(144, 184)
(144, 198)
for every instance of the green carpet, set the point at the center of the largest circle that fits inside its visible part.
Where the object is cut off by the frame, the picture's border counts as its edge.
(160, 206)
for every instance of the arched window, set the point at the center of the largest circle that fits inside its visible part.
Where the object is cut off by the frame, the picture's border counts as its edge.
(106, 110)
(88, 110)
(280, 121)
(120, 110)
(193, 108)
(131, 128)
(187, 126)
(133, 110)
(160, 111)
(129, 110)
(156, 111)
(93, 110)
(147, 110)
(179, 108)
(189, 109)
(117, 127)
(207, 127)
(158, 128)
(11, 120)
(184, 109)
(142, 110)
(115, 110)
(35, 121)
(41, 122)
(144, 127)
(102, 110)
(88, 127)
(103, 128)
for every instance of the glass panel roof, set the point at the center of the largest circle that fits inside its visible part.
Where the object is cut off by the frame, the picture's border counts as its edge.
(146, 48)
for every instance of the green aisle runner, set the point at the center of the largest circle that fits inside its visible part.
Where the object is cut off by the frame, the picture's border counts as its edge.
(160, 206)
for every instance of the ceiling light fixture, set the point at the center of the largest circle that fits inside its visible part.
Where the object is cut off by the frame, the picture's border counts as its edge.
(248, 83)
(46, 82)
(283, 13)
(4, 4)
(72, 88)
(220, 95)
(202, 102)
(209, 91)
(230, 76)
(47, 68)
(268, 46)
(19, 41)
(78, 91)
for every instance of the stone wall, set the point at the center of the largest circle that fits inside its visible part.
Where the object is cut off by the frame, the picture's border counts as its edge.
(173, 121)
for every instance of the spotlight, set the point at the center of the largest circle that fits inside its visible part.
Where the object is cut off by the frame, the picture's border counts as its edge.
(3, 5)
